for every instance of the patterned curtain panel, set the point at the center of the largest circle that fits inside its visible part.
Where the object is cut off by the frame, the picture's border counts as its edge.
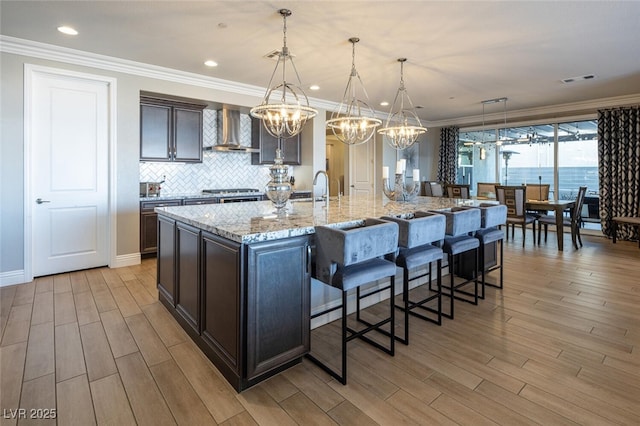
(619, 167)
(448, 162)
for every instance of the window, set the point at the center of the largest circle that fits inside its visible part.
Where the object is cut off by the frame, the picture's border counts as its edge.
(527, 154)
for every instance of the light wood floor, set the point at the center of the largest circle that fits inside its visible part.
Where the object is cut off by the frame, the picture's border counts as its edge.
(559, 345)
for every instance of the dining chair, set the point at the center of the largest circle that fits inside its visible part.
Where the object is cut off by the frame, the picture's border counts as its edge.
(437, 189)
(538, 192)
(574, 221)
(514, 198)
(458, 191)
(486, 190)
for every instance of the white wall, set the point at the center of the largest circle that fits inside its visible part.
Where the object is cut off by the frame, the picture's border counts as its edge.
(127, 150)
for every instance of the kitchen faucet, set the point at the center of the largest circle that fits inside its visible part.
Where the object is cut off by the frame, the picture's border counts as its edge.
(326, 187)
(339, 193)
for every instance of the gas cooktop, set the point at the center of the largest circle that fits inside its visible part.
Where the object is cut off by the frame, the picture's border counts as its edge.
(230, 191)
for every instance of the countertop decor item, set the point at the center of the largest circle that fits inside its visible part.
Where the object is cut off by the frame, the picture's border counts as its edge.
(403, 126)
(354, 122)
(284, 117)
(400, 191)
(279, 188)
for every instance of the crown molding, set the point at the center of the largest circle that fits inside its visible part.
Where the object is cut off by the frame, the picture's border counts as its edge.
(51, 52)
(564, 111)
(18, 46)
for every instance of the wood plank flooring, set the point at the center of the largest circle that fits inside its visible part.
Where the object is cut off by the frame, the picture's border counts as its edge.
(559, 345)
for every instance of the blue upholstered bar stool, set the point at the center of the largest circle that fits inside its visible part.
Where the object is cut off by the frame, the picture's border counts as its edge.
(491, 217)
(461, 224)
(416, 250)
(347, 259)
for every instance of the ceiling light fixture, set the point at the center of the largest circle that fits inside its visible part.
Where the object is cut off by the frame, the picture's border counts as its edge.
(211, 63)
(67, 30)
(399, 131)
(353, 122)
(499, 141)
(285, 117)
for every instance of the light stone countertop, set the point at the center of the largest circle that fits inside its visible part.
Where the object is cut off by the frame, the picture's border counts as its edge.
(256, 221)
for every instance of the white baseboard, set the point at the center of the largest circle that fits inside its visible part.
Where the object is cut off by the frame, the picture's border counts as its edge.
(11, 278)
(17, 277)
(126, 260)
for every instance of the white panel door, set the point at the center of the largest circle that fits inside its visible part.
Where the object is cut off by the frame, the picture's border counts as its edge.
(361, 160)
(69, 173)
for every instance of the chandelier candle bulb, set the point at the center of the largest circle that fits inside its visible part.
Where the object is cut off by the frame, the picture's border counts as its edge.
(385, 172)
(416, 175)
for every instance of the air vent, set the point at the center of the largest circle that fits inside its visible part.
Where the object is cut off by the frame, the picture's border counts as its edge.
(579, 78)
(276, 53)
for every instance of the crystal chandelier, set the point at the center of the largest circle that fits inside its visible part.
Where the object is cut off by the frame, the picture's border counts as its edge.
(398, 129)
(353, 123)
(284, 117)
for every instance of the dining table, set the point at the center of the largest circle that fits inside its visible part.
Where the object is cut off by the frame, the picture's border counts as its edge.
(557, 207)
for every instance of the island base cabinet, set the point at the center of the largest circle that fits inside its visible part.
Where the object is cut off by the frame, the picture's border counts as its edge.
(278, 303)
(221, 294)
(247, 306)
(166, 260)
(188, 274)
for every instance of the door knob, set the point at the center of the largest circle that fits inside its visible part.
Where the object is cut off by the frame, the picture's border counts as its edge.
(40, 201)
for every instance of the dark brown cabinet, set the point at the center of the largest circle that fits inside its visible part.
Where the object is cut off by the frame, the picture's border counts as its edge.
(187, 298)
(149, 224)
(166, 262)
(267, 144)
(170, 131)
(278, 283)
(221, 295)
(247, 306)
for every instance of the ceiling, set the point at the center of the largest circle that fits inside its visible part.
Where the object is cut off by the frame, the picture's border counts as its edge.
(459, 53)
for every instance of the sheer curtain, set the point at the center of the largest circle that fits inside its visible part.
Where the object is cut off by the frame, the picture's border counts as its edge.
(619, 167)
(448, 161)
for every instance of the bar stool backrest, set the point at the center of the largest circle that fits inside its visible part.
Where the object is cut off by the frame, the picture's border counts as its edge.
(491, 215)
(335, 246)
(461, 222)
(423, 228)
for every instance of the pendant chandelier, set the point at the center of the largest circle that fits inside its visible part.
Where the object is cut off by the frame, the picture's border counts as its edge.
(353, 123)
(285, 108)
(398, 128)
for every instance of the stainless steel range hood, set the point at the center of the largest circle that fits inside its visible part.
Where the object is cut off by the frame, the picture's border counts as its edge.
(229, 135)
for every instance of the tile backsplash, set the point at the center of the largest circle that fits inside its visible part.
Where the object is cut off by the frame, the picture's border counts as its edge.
(217, 170)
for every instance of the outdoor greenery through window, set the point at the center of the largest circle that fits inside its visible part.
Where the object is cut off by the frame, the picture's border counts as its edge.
(527, 154)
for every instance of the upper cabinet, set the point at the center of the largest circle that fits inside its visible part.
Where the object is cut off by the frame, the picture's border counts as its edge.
(267, 144)
(170, 131)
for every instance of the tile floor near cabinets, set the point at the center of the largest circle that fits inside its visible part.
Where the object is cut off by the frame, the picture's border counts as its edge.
(559, 345)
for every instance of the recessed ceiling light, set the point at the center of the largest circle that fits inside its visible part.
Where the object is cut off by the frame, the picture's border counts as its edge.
(578, 78)
(67, 30)
(384, 103)
(211, 63)
(314, 87)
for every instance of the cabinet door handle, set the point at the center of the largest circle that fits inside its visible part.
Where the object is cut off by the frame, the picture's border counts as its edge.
(41, 201)
(308, 259)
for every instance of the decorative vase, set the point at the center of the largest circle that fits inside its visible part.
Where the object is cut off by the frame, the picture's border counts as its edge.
(400, 191)
(278, 189)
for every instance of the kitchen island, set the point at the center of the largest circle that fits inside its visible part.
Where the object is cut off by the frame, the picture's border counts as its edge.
(237, 276)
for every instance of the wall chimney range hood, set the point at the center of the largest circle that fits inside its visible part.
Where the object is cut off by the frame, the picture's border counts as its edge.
(229, 134)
